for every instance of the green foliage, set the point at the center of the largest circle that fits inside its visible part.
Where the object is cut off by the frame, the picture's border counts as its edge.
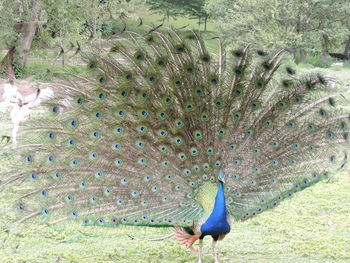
(347, 64)
(39, 70)
(62, 22)
(75, 20)
(320, 61)
(337, 68)
(46, 71)
(18, 69)
(304, 66)
(43, 53)
(173, 8)
(8, 19)
(313, 26)
(165, 8)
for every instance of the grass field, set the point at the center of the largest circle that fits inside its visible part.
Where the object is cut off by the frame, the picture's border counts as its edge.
(313, 226)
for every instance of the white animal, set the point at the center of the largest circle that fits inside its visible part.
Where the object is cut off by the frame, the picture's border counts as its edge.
(338, 64)
(20, 106)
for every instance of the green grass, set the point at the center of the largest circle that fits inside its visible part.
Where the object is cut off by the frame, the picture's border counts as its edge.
(313, 226)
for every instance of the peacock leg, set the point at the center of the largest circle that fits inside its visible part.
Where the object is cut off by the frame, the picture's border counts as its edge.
(200, 251)
(215, 255)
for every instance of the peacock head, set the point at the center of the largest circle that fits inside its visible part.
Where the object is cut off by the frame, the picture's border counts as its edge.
(221, 177)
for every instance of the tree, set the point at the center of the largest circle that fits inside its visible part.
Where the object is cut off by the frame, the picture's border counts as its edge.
(23, 17)
(52, 22)
(166, 8)
(303, 26)
(346, 25)
(172, 8)
(196, 8)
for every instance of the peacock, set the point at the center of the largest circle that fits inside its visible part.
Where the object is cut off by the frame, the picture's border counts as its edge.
(160, 132)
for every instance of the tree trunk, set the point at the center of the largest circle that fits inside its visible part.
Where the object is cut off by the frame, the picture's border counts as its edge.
(6, 64)
(292, 51)
(94, 32)
(16, 58)
(199, 23)
(167, 17)
(325, 44)
(347, 48)
(205, 22)
(302, 55)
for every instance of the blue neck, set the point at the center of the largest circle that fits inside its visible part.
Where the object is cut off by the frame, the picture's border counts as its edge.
(216, 223)
(219, 210)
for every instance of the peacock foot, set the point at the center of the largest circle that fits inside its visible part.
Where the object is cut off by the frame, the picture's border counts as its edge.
(215, 254)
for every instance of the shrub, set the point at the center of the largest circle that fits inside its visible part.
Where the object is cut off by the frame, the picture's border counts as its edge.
(336, 68)
(320, 61)
(346, 64)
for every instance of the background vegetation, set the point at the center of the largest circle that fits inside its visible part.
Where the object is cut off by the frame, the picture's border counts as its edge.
(313, 30)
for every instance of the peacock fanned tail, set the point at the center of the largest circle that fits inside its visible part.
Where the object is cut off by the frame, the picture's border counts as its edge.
(141, 137)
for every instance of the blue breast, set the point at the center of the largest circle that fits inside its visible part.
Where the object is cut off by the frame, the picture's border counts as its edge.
(216, 223)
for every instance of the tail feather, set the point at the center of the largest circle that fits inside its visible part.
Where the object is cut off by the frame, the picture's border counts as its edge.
(133, 140)
(186, 238)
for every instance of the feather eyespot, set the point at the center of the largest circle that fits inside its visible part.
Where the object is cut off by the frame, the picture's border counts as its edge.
(92, 65)
(139, 55)
(236, 115)
(55, 109)
(29, 159)
(51, 158)
(189, 70)
(119, 163)
(248, 133)
(198, 135)
(286, 83)
(236, 162)
(204, 117)
(180, 48)
(255, 151)
(205, 58)
(150, 38)
(261, 53)
(206, 167)
(102, 80)
(290, 70)
(255, 105)
(214, 81)
(237, 53)
(80, 101)
(267, 66)
(274, 144)
(221, 132)
(210, 151)
(296, 145)
(74, 123)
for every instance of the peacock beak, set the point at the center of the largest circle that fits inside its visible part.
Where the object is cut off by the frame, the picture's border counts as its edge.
(222, 177)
